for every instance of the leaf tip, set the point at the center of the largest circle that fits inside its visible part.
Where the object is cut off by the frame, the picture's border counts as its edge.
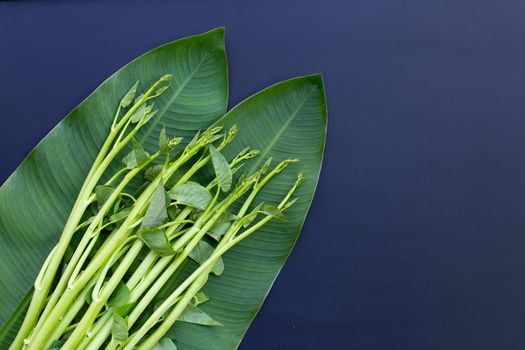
(317, 79)
(219, 31)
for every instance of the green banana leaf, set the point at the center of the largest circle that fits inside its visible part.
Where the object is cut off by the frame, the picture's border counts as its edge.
(287, 120)
(36, 199)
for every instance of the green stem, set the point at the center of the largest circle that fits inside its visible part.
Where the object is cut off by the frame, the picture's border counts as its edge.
(145, 273)
(193, 285)
(69, 295)
(191, 281)
(196, 234)
(114, 123)
(39, 297)
(96, 336)
(122, 132)
(116, 255)
(138, 276)
(152, 340)
(123, 194)
(65, 322)
(100, 259)
(90, 315)
(75, 263)
(116, 175)
(81, 261)
(105, 252)
(150, 259)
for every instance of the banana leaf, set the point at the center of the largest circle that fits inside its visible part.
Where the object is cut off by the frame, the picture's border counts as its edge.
(36, 199)
(286, 120)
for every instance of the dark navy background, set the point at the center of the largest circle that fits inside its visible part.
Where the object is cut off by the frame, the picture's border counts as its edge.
(416, 237)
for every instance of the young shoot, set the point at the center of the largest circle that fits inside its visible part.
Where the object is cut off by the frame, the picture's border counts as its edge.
(149, 229)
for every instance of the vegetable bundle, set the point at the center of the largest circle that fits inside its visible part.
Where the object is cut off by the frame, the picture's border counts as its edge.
(144, 245)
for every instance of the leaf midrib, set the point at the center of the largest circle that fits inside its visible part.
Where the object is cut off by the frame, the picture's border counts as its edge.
(262, 156)
(176, 94)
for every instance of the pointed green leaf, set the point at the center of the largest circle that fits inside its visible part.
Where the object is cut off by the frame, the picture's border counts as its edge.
(191, 194)
(138, 114)
(290, 203)
(136, 157)
(193, 314)
(194, 138)
(215, 138)
(221, 226)
(156, 214)
(266, 166)
(165, 344)
(102, 193)
(130, 95)
(247, 221)
(202, 252)
(163, 141)
(157, 241)
(149, 116)
(228, 217)
(199, 298)
(273, 211)
(123, 310)
(121, 215)
(249, 218)
(162, 89)
(120, 296)
(222, 169)
(218, 230)
(119, 328)
(173, 212)
(152, 172)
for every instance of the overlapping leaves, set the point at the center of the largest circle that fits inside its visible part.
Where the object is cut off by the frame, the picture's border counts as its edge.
(285, 121)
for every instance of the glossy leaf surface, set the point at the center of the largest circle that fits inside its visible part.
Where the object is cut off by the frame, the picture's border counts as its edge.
(287, 120)
(37, 198)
